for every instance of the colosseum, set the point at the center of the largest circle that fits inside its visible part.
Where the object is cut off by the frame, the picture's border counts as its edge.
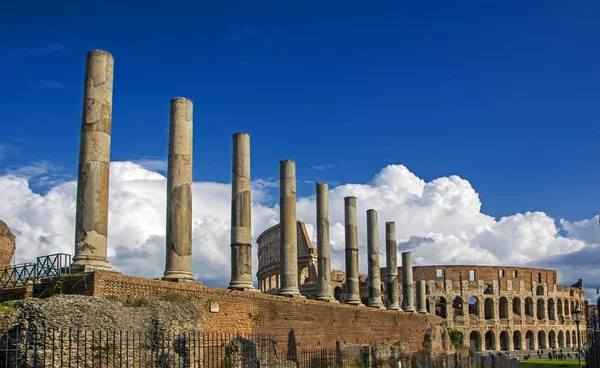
(491, 307)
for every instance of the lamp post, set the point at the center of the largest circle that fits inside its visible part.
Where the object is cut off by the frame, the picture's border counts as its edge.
(577, 314)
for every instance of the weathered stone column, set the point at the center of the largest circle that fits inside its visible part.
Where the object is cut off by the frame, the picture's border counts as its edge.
(288, 241)
(373, 260)
(91, 220)
(392, 266)
(351, 234)
(408, 300)
(323, 254)
(421, 301)
(179, 193)
(241, 219)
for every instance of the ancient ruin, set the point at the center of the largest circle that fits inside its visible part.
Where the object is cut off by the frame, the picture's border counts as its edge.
(7, 245)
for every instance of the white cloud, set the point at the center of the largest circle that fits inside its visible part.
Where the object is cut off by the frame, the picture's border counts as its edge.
(440, 221)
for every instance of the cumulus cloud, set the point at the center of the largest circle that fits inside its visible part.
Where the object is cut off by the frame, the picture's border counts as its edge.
(439, 221)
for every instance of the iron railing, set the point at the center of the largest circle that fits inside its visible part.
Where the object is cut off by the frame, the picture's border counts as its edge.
(45, 267)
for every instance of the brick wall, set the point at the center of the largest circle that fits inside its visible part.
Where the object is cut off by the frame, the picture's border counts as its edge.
(312, 324)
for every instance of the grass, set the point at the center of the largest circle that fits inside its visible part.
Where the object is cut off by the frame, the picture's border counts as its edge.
(550, 363)
(8, 306)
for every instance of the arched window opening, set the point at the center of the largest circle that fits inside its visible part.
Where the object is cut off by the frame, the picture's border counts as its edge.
(571, 293)
(561, 339)
(567, 310)
(427, 306)
(572, 306)
(473, 306)
(337, 293)
(457, 306)
(542, 340)
(487, 289)
(529, 340)
(541, 310)
(503, 340)
(489, 308)
(529, 307)
(516, 307)
(440, 307)
(539, 291)
(474, 344)
(517, 340)
(303, 275)
(573, 338)
(489, 340)
(552, 339)
(551, 309)
(568, 338)
(503, 308)
(559, 307)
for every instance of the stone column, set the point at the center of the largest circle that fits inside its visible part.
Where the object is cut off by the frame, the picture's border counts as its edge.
(392, 266)
(179, 193)
(408, 300)
(351, 232)
(91, 220)
(323, 258)
(241, 229)
(373, 260)
(421, 295)
(288, 238)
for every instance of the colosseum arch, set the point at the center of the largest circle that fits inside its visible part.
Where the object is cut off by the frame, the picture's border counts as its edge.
(542, 340)
(529, 340)
(561, 339)
(541, 309)
(551, 309)
(573, 338)
(529, 307)
(559, 307)
(571, 293)
(572, 306)
(490, 341)
(539, 291)
(473, 306)
(503, 307)
(488, 289)
(440, 307)
(568, 338)
(488, 308)
(517, 340)
(516, 306)
(457, 306)
(567, 310)
(552, 339)
(504, 341)
(475, 341)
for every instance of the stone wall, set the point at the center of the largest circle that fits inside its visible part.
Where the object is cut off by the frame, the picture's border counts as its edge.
(311, 324)
(7, 245)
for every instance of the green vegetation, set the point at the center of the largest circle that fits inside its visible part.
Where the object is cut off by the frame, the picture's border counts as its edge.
(456, 338)
(550, 363)
(132, 303)
(8, 306)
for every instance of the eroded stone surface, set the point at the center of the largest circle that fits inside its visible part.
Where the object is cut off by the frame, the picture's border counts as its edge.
(391, 278)
(351, 235)
(7, 245)
(408, 300)
(289, 241)
(324, 254)
(373, 260)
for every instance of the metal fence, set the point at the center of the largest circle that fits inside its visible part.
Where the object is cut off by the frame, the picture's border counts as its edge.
(45, 267)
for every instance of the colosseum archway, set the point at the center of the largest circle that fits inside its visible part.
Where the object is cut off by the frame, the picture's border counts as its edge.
(541, 309)
(567, 310)
(573, 338)
(440, 307)
(529, 340)
(559, 307)
(474, 341)
(561, 339)
(517, 340)
(551, 309)
(542, 340)
(529, 307)
(489, 308)
(539, 291)
(516, 307)
(552, 339)
(457, 306)
(568, 338)
(473, 306)
(490, 341)
(504, 341)
(503, 307)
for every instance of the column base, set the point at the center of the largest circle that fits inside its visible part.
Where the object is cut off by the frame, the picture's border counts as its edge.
(291, 293)
(242, 286)
(394, 306)
(409, 309)
(354, 300)
(82, 264)
(178, 276)
(422, 311)
(375, 303)
(326, 298)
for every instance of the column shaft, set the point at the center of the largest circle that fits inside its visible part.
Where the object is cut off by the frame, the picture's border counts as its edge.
(241, 219)
(179, 193)
(351, 234)
(287, 230)
(392, 266)
(373, 260)
(421, 297)
(408, 300)
(323, 253)
(91, 223)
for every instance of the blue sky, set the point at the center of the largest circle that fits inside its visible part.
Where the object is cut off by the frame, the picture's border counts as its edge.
(503, 94)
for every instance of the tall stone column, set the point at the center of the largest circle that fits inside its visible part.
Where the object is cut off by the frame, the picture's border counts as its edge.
(241, 228)
(392, 266)
(288, 241)
(373, 260)
(351, 234)
(91, 220)
(323, 254)
(408, 300)
(421, 295)
(179, 193)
